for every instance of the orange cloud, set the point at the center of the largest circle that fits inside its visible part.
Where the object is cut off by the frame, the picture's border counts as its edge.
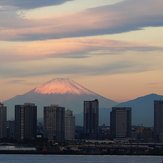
(74, 47)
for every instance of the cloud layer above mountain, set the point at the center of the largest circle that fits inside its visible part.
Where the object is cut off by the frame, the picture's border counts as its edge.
(110, 19)
(68, 48)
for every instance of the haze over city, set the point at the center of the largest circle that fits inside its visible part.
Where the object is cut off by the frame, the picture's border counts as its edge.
(112, 47)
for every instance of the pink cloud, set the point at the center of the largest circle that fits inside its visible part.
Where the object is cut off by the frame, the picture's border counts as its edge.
(67, 48)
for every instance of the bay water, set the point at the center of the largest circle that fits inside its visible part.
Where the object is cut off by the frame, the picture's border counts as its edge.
(78, 159)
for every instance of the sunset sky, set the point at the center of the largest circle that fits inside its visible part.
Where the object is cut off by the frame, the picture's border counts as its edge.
(112, 47)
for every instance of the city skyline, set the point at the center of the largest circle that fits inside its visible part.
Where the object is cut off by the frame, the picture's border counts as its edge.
(118, 43)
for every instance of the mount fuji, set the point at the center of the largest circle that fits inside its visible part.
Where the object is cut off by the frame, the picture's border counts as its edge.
(60, 91)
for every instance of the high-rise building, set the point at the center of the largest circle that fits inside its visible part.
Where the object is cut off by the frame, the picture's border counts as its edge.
(54, 122)
(3, 119)
(120, 122)
(158, 120)
(25, 121)
(91, 119)
(69, 125)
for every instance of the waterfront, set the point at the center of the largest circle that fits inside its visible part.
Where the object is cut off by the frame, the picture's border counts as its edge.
(78, 159)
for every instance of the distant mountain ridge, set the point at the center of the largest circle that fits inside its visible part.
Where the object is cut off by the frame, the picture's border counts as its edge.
(143, 109)
(62, 91)
(69, 94)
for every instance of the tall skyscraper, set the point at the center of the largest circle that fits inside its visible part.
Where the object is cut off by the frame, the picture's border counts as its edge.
(25, 121)
(91, 119)
(120, 122)
(3, 119)
(69, 125)
(158, 120)
(54, 122)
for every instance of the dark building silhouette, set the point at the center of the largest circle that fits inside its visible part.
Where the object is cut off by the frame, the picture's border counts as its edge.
(91, 119)
(69, 125)
(3, 119)
(158, 120)
(54, 123)
(120, 122)
(25, 121)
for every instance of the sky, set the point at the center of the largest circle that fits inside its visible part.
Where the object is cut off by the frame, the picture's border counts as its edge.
(112, 47)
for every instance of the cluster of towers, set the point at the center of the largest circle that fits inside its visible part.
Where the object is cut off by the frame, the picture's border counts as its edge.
(59, 124)
(120, 121)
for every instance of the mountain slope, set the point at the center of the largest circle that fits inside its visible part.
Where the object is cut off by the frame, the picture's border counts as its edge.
(62, 86)
(143, 109)
(63, 92)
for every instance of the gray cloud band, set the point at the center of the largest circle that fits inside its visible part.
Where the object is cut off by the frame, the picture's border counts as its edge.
(122, 17)
(31, 4)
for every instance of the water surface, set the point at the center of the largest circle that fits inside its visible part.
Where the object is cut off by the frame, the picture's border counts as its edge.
(78, 159)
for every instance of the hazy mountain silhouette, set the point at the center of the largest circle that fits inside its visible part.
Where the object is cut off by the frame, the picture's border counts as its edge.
(143, 109)
(63, 92)
(67, 93)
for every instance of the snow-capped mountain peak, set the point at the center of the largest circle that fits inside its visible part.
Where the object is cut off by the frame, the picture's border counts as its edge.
(62, 86)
